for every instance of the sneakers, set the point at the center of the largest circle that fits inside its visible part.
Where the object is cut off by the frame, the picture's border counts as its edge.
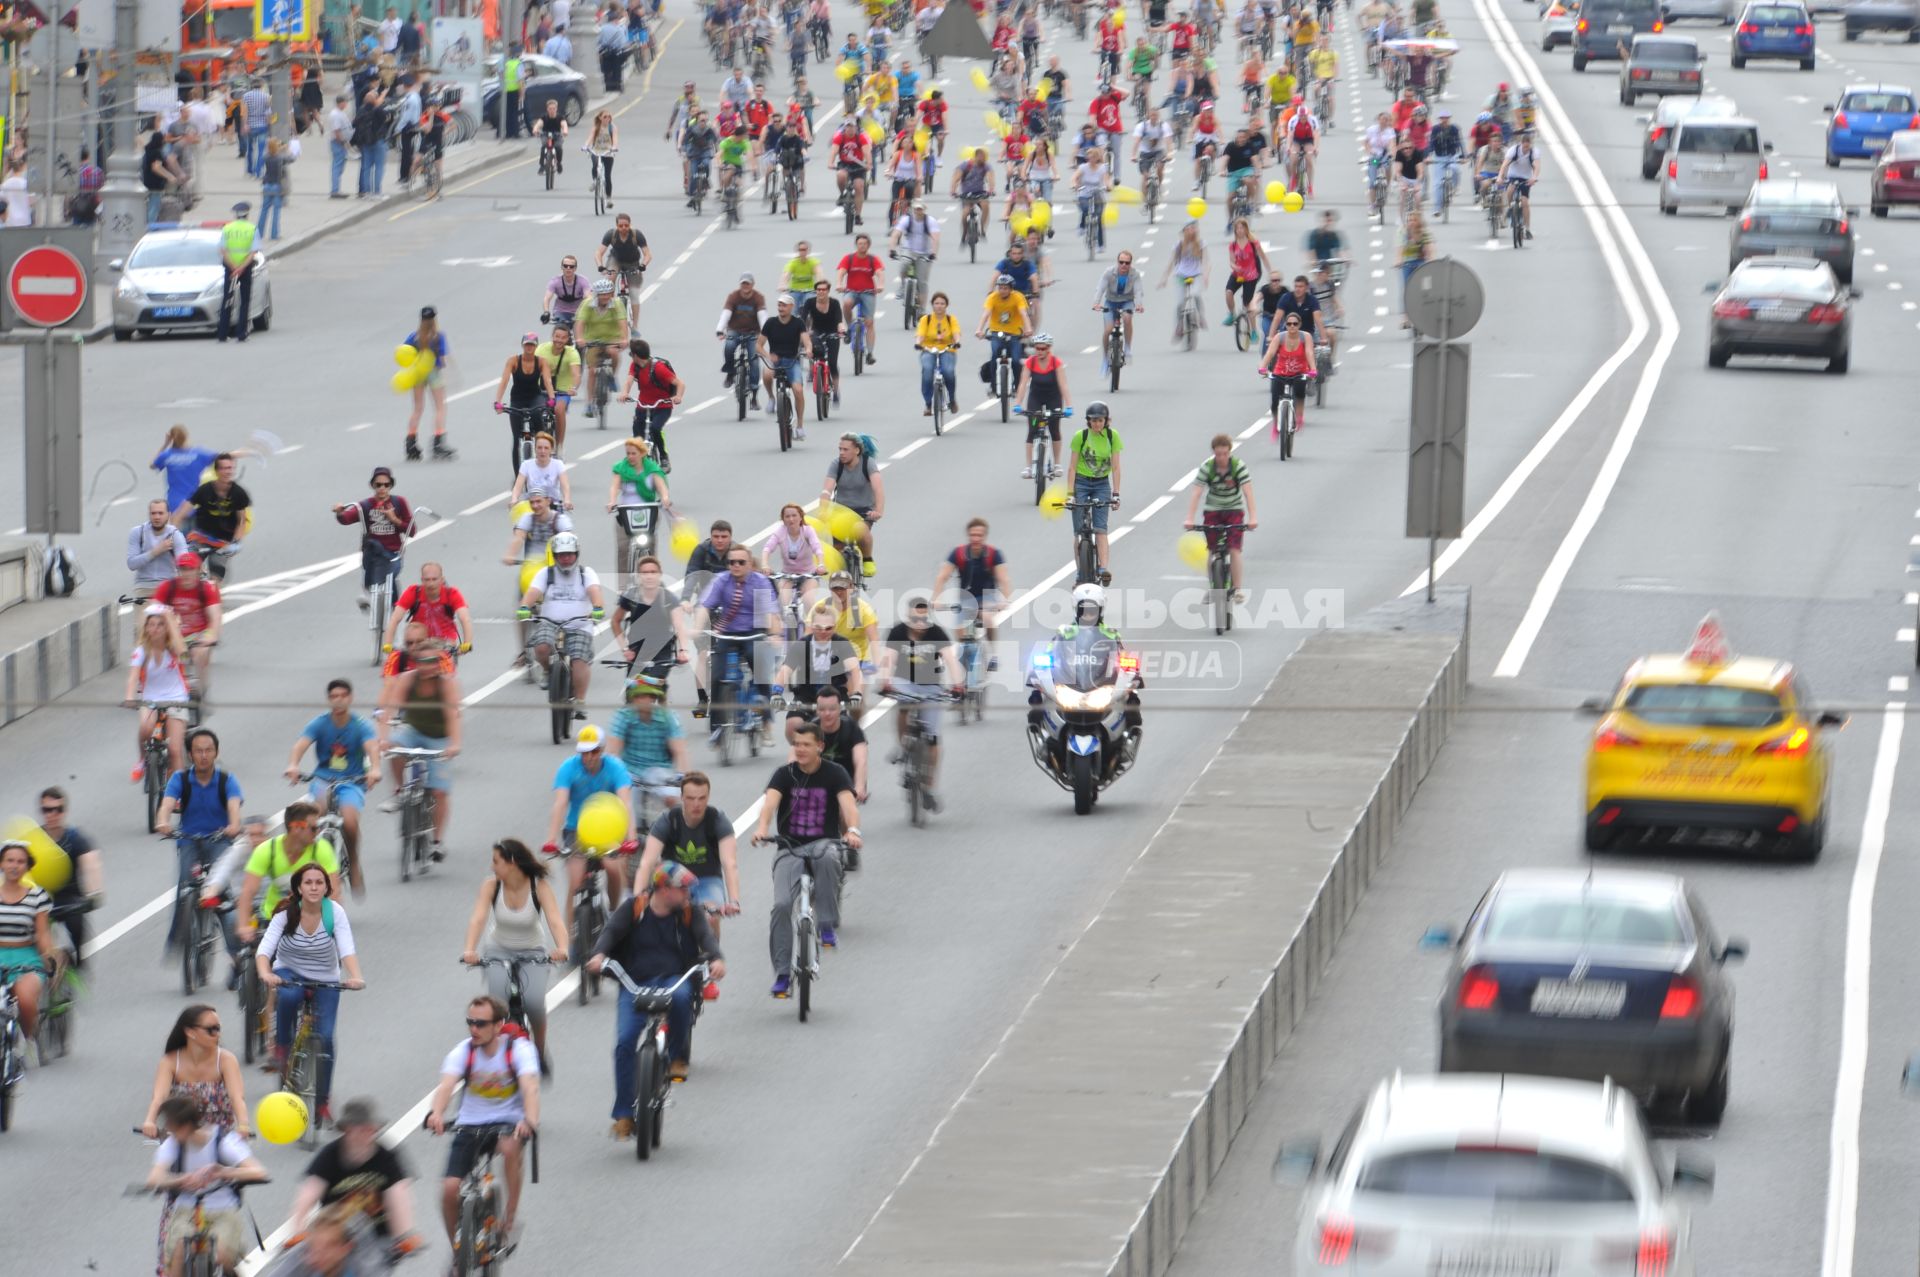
(677, 1071)
(591, 414)
(713, 737)
(365, 600)
(438, 852)
(139, 772)
(326, 1116)
(782, 986)
(769, 405)
(1053, 470)
(867, 568)
(836, 396)
(927, 411)
(871, 361)
(930, 800)
(1027, 473)
(799, 433)
(233, 978)
(622, 1128)
(827, 939)
(390, 806)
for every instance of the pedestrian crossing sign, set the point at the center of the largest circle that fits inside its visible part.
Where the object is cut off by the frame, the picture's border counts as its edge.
(283, 20)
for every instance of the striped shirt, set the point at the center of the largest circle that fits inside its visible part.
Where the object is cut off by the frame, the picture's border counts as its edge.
(16, 920)
(309, 955)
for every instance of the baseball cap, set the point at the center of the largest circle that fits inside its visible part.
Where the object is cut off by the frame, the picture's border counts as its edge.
(156, 609)
(745, 277)
(589, 740)
(839, 579)
(671, 873)
(187, 560)
(380, 472)
(529, 339)
(428, 312)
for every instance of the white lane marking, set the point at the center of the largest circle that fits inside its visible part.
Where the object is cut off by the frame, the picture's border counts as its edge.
(493, 500)
(1903, 636)
(1153, 507)
(1629, 245)
(471, 390)
(364, 425)
(913, 447)
(1843, 1166)
(1897, 683)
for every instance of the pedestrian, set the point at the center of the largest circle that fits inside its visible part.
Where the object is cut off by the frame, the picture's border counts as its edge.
(340, 138)
(612, 44)
(409, 123)
(510, 93)
(313, 98)
(429, 337)
(256, 112)
(370, 138)
(83, 209)
(407, 43)
(19, 200)
(236, 254)
(559, 48)
(390, 33)
(273, 186)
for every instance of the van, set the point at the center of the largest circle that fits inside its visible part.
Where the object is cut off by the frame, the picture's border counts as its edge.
(1713, 161)
(1607, 27)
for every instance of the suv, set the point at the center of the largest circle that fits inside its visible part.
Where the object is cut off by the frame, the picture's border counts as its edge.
(1607, 26)
(1485, 1173)
(1770, 29)
(1661, 64)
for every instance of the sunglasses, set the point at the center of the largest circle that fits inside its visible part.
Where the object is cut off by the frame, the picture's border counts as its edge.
(481, 1024)
(51, 811)
(209, 1028)
(569, 265)
(381, 487)
(738, 563)
(1293, 323)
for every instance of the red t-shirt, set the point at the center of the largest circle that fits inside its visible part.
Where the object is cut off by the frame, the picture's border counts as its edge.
(1106, 114)
(1109, 36)
(850, 148)
(189, 605)
(436, 615)
(1484, 133)
(1016, 147)
(655, 389)
(933, 112)
(860, 271)
(758, 113)
(1183, 33)
(1403, 114)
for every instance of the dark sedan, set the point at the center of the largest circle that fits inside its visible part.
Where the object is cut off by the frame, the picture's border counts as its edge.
(1661, 64)
(1782, 306)
(1797, 217)
(1896, 174)
(541, 80)
(1566, 973)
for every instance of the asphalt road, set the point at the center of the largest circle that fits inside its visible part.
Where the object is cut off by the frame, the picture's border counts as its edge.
(949, 928)
(1782, 498)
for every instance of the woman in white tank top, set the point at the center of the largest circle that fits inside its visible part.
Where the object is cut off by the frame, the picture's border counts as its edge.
(513, 901)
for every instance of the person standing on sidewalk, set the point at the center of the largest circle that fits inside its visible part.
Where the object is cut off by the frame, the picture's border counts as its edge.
(429, 337)
(256, 112)
(612, 44)
(370, 136)
(340, 138)
(273, 187)
(409, 121)
(510, 91)
(236, 254)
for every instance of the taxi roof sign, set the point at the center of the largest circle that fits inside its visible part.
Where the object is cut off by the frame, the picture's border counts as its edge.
(1709, 643)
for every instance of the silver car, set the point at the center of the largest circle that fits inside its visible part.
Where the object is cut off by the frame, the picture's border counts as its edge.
(1666, 117)
(1713, 161)
(171, 282)
(1477, 1173)
(1721, 11)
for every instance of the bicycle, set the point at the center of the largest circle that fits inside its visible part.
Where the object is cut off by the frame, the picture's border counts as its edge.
(745, 386)
(1377, 178)
(1517, 217)
(516, 988)
(64, 989)
(216, 553)
(698, 183)
(806, 928)
(598, 179)
(1219, 573)
(731, 709)
(1038, 436)
(431, 173)
(942, 396)
(308, 1058)
(1323, 361)
(795, 600)
(1150, 187)
(13, 1053)
(1493, 202)
(820, 373)
(1187, 316)
(857, 334)
(1239, 199)
(652, 1084)
(256, 1009)
(973, 662)
(786, 406)
(1114, 354)
(914, 750)
(638, 525)
(416, 809)
(197, 920)
(549, 165)
(1086, 546)
(331, 826)
(604, 375)
(972, 227)
(199, 1251)
(157, 758)
(790, 188)
(1004, 380)
(480, 1240)
(1094, 232)
(525, 424)
(910, 287)
(730, 200)
(1323, 102)
(1286, 426)
(1244, 332)
(1448, 183)
(847, 196)
(591, 905)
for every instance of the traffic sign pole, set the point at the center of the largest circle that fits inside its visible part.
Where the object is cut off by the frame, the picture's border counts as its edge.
(1444, 300)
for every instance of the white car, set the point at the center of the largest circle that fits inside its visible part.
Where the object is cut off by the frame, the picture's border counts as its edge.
(1489, 1173)
(1556, 24)
(171, 281)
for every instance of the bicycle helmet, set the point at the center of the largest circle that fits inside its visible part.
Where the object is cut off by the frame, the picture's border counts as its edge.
(602, 287)
(1098, 408)
(675, 875)
(1043, 339)
(1086, 596)
(646, 685)
(1485, 117)
(1003, 280)
(565, 543)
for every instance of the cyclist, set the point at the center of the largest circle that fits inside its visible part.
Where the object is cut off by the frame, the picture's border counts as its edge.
(219, 511)
(740, 606)
(919, 237)
(1119, 296)
(854, 618)
(801, 270)
(1246, 264)
(438, 606)
(526, 386)
(854, 481)
(532, 533)
(651, 623)
(603, 330)
(938, 336)
(784, 343)
(1519, 171)
(758, 113)
(501, 1073)
(1486, 146)
(811, 800)
(860, 274)
(972, 184)
(1323, 241)
(1302, 130)
(206, 799)
(933, 118)
(980, 571)
(1025, 268)
(85, 888)
(1289, 360)
(1323, 64)
(920, 658)
(543, 472)
(387, 520)
(152, 548)
(741, 315)
(1107, 42)
(699, 837)
(346, 763)
(1301, 300)
(194, 603)
(1445, 150)
(1142, 61)
(1525, 111)
(624, 251)
(562, 359)
(851, 151)
(354, 1178)
(203, 1161)
(551, 129)
(309, 939)
(1152, 144)
(1043, 388)
(1091, 182)
(1206, 137)
(1228, 487)
(1409, 171)
(735, 147)
(274, 862)
(1189, 260)
(424, 698)
(1004, 315)
(648, 736)
(590, 771)
(1096, 448)
(826, 327)
(698, 142)
(819, 659)
(681, 114)
(565, 294)
(793, 549)
(1241, 159)
(568, 595)
(1107, 119)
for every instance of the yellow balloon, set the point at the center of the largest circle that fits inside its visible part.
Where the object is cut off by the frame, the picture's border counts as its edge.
(1193, 549)
(1110, 216)
(1276, 191)
(281, 1117)
(874, 130)
(532, 566)
(1294, 202)
(402, 381)
(1124, 195)
(1042, 215)
(685, 540)
(995, 123)
(51, 866)
(1196, 208)
(603, 823)
(926, 93)
(845, 524)
(1021, 223)
(832, 557)
(845, 71)
(519, 509)
(921, 137)
(404, 355)
(979, 79)
(966, 153)
(1119, 19)
(819, 525)
(1043, 90)
(424, 359)
(1054, 503)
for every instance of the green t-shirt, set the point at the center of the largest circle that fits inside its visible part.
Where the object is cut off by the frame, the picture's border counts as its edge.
(801, 272)
(1226, 489)
(1144, 60)
(733, 150)
(271, 862)
(1094, 451)
(566, 369)
(598, 323)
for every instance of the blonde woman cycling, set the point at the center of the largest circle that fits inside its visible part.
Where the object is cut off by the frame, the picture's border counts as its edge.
(1189, 260)
(602, 144)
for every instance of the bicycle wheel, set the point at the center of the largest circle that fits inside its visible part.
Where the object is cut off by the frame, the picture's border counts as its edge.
(599, 197)
(156, 782)
(1217, 593)
(588, 920)
(560, 694)
(907, 301)
(199, 1263)
(194, 955)
(662, 1087)
(1242, 330)
(1039, 465)
(1190, 324)
(252, 1015)
(646, 1064)
(803, 950)
(916, 807)
(377, 615)
(8, 1065)
(1116, 355)
(1517, 219)
(469, 1238)
(783, 413)
(321, 1061)
(1286, 430)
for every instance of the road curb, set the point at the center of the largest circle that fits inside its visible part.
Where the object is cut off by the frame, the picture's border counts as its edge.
(34, 674)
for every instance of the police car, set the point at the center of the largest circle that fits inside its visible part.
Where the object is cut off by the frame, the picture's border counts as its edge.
(171, 282)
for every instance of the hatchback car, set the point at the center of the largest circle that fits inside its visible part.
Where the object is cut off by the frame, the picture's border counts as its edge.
(1658, 138)
(1896, 175)
(1774, 31)
(1714, 161)
(171, 282)
(1661, 64)
(542, 80)
(1721, 11)
(1556, 25)
(1902, 16)
(1471, 1174)
(1605, 28)
(1594, 974)
(1798, 217)
(1865, 117)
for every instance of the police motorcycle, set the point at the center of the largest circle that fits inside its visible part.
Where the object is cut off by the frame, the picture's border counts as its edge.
(1083, 716)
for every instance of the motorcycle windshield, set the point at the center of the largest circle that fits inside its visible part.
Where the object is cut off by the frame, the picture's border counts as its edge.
(1087, 660)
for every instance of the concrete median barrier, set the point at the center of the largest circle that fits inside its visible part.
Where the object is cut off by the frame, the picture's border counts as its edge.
(1089, 1138)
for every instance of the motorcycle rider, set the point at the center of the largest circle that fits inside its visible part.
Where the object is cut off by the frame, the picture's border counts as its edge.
(1090, 637)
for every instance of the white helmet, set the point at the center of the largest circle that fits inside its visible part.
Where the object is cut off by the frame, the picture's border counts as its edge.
(565, 543)
(1089, 595)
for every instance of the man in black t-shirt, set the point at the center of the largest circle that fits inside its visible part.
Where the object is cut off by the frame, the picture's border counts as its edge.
(842, 740)
(219, 507)
(784, 341)
(812, 800)
(359, 1170)
(919, 660)
(625, 250)
(86, 881)
(1299, 300)
(698, 835)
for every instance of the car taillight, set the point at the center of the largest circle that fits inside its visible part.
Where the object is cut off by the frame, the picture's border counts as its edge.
(1746, 223)
(1638, 73)
(1673, 168)
(1682, 1000)
(1817, 315)
(1840, 120)
(1479, 990)
(1803, 30)
(1689, 75)
(1840, 227)
(1729, 310)
(1614, 738)
(1336, 1240)
(1654, 1253)
(1580, 25)
(1659, 26)
(1659, 131)
(1747, 28)
(1796, 742)
(1763, 170)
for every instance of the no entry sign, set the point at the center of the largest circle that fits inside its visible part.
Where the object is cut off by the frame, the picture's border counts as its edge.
(47, 286)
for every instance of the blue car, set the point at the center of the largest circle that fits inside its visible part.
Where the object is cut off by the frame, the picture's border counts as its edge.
(1865, 117)
(1774, 30)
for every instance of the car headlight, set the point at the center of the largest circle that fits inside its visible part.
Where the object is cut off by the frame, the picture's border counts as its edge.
(127, 288)
(211, 290)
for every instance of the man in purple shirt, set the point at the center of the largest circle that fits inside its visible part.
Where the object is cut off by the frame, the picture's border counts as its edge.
(739, 609)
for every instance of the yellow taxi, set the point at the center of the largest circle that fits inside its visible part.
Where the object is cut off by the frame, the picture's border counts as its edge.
(1710, 741)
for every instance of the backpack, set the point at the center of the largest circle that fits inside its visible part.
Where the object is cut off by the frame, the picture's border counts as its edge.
(420, 601)
(186, 785)
(511, 1032)
(62, 575)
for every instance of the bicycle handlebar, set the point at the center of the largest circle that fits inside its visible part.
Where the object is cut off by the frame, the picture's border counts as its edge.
(540, 960)
(620, 974)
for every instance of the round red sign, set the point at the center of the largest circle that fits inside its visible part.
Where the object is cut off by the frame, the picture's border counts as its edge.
(47, 286)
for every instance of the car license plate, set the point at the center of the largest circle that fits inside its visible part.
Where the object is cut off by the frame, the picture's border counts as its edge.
(1778, 316)
(172, 312)
(1579, 1000)
(1775, 32)
(1620, 28)
(1504, 1262)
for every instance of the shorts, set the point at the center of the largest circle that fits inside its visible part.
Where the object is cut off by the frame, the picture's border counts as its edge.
(346, 794)
(563, 396)
(578, 644)
(864, 511)
(1230, 520)
(788, 369)
(853, 169)
(1201, 148)
(903, 187)
(1244, 287)
(1099, 491)
(19, 960)
(862, 300)
(178, 713)
(224, 1226)
(929, 710)
(1523, 186)
(408, 736)
(1117, 308)
(464, 1155)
